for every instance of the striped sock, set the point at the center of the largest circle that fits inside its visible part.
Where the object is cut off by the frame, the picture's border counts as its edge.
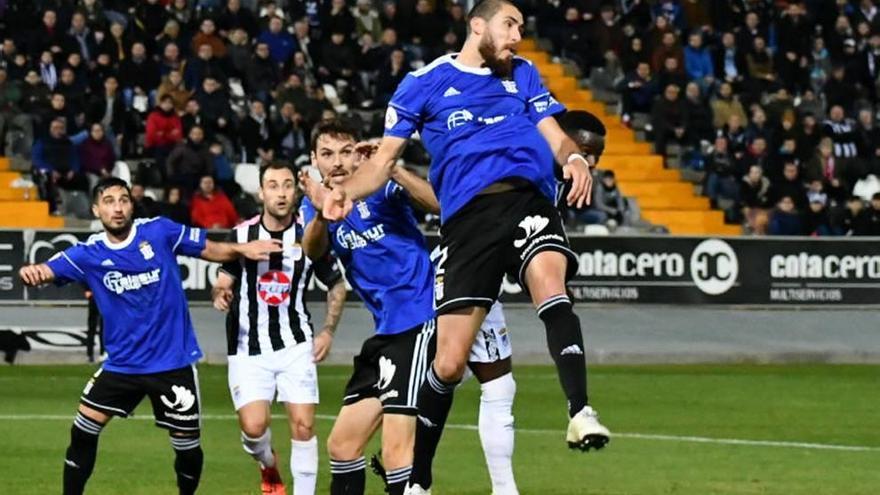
(395, 480)
(188, 462)
(348, 477)
(566, 344)
(79, 460)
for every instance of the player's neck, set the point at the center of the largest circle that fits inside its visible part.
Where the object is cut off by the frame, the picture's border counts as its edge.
(470, 56)
(275, 224)
(118, 236)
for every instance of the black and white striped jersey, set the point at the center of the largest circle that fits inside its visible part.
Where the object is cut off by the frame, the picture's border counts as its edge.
(268, 311)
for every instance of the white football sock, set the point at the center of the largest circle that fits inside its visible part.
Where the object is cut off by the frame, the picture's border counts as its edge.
(304, 465)
(259, 448)
(496, 432)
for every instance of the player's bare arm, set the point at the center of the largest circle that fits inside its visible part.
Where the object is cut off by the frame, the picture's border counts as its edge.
(575, 166)
(316, 238)
(36, 275)
(420, 191)
(221, 252)
(370, 176)
(335, 304)
(221, 293)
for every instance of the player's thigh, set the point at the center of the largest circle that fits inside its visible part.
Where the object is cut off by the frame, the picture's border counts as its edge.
(251, 379)
(471, 260)
(175, 398)
(301, 418)
(398, 440)
(296, 375)
(455, 336)
(255, 417)
(108, 394)
(353, 428)
(401, 365)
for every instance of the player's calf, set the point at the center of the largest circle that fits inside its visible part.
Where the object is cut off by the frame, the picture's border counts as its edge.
(303, 449)
(79, 461)
(188, 459)
(347, 465)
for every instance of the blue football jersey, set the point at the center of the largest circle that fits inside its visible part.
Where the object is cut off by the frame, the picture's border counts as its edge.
(385, 258)
(138, 289)
(478, 127)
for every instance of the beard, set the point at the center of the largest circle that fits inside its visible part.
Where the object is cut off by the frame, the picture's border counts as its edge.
(501, 67)
(122, 230)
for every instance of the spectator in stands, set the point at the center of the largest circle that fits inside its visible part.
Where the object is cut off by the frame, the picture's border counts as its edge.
(761, 68)
(868, 220)
(239, 53)
(223, 174)
(190, 160)
(34, 95)
(262, 73)
(609, 200)
(173, 86)
(144, 206)
(638, 91)
(281, 44)
(81, 39)
(816, 218)
(96, 155)
(838, 90)
(785, 220)
(74, 91)
(210, 208)
(292, 136)
(698, 116)
(56, 164)
(633, 54)
(755, 154)
(171, 59)
(698, 62)
(309, 48)
(842, 131)
(207, 35)
(668, 48)
(829, 169)
(574, 40)
(108, 109)
(671, 72)
(203, 67)
(668, 118)
(338, 60)
(390, 76)
(791, 185)
(138, 76)
(427, 29)
(235, 17)
(366, 19)
(754, 198)
(12, 120)
(256, 136)
(164, 130)
(722, 180)
(58, 108)
(808, 138)
(173, 207)
(214, 108)
(730, 61)
(851, 221)
(735, 134)
(758, 126)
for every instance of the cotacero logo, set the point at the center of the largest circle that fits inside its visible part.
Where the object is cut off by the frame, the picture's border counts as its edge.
(714, 266)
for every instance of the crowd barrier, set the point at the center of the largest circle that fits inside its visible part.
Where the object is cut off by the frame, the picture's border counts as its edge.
(648, 269)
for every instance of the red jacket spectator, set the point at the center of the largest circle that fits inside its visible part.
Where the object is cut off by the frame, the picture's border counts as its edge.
(164, 128)
(211, 208)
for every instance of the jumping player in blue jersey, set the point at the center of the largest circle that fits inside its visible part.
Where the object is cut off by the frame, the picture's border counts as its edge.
(387, 263)
(484, 116)
(151, 346)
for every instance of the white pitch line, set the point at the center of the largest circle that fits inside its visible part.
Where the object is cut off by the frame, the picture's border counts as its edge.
(635, 436)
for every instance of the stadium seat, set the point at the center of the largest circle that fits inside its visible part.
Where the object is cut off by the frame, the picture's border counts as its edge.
(121, 170)
(247, 175)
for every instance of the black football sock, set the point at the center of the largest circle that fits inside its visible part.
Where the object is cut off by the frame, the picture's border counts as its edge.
(434, 401)
(348, 477)
(566, 345)
(395, 480)
(188, 459)
(79, 460)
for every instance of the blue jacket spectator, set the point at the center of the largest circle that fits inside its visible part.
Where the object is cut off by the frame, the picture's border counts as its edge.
(697, 59)
(281, 43)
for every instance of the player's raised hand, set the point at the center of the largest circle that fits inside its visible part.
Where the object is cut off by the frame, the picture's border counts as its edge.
(321, 345)
(222, 298)
(578, 172)
(314, 190)
(364, 150)
(261, 249)
(36, 275)
(337, 205)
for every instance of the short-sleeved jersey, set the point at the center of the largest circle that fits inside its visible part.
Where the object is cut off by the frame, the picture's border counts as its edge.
(478, 127)
(268, 311)
(385, 258)
(137, 286)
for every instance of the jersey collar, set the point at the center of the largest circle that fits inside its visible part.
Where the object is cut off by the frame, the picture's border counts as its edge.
(120, 245)
(480, 71)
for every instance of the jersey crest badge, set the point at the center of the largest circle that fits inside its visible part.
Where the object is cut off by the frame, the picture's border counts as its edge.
(146, 250)
(510, 86)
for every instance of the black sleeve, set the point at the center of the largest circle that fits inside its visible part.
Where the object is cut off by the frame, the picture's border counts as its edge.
(327, 270)
(232, 268)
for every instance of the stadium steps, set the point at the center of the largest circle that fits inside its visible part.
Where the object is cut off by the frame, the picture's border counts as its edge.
(665, 197)
(21, 207)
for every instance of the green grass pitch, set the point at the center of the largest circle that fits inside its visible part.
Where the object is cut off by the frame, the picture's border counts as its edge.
(828, 405)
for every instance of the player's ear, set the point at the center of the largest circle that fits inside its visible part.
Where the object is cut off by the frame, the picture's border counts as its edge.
(260, 195)
(313, 157)
(477, 25)
(95, 210)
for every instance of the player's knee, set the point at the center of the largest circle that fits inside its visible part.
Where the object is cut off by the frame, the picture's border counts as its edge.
(397, 452)
(449, 368)
(341, 448)
(254, 427)
(302, 429)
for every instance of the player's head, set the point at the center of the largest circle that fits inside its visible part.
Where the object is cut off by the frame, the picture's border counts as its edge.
(277, 189)
(111, 203)
(333, 146)
(586, 130)
(496, 26)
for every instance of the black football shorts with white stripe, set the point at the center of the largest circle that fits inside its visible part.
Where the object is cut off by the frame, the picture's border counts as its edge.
(268, 327)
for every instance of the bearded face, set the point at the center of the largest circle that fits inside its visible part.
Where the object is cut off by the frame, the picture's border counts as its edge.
(499, 59)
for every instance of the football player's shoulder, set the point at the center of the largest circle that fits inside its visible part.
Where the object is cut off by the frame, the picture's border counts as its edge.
(247, 223)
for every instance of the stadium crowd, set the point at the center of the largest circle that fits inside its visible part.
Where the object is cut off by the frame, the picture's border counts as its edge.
(775, 100)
